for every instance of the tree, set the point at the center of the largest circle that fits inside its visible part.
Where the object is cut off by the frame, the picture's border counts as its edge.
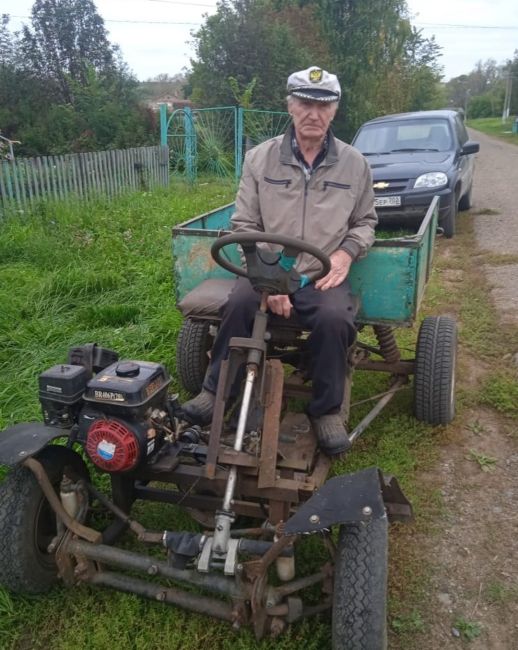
(64, 86)
(243, 40)
(163, 84)
(67, 39)
(482, 90)
(6, 42)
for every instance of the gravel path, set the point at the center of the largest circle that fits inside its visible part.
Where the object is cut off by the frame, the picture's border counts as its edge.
(495, 204)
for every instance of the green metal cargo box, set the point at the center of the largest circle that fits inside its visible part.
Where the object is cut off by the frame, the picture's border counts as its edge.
(389, 281)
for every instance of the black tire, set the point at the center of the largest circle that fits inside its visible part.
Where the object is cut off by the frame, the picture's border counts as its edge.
(360, 587)
(434, 379)
(449, 221)
(28, 524)
(465, 202)
(194, 342)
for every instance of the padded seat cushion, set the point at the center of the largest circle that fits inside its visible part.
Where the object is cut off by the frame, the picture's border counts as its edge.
(206, 300)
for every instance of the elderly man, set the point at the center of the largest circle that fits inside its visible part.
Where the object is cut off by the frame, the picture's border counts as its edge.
(309, 185)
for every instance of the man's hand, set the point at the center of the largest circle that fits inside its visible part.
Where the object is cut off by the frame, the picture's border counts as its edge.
(340, 265)
(280, 305)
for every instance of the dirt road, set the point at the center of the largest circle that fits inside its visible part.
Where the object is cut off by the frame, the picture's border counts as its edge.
(474, 597)
(496, 191)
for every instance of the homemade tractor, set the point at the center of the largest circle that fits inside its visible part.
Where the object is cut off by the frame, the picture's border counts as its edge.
(277, 542)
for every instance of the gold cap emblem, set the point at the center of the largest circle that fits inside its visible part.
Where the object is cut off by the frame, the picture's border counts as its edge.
(315, 76)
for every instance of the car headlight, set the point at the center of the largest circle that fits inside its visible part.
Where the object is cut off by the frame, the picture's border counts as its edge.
(431, 179)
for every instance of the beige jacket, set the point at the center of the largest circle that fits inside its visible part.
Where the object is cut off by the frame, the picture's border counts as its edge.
(332, 208)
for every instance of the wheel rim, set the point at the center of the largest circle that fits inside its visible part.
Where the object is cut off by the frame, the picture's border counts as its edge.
(45, 529)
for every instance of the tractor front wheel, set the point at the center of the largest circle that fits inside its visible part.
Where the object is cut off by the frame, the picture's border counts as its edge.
(360, 587)
(28, 523)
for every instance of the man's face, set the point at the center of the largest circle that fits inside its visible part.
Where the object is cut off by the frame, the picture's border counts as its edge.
(311, 119)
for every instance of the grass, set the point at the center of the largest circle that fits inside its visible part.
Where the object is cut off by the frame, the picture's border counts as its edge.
(468, 630)
(70, 275)
(495, 127)
(501, 392)
(485, 462)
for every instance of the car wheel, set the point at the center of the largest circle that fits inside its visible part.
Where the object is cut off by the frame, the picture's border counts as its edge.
(359, 618)
(192, 360)
(465, 202)
(449, 221)
(434, 378)
(28, 523)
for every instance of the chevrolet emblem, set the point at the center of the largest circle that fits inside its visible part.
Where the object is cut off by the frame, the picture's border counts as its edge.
(381, 185)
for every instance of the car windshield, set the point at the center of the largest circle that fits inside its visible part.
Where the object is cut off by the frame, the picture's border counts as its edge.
(404, 136)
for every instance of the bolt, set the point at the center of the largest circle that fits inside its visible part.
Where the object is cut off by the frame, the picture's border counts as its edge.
(22, 453)
(314, 519)
(152, 570)
(219, 527)
(239, 568)
(367, 511)
(161, 596)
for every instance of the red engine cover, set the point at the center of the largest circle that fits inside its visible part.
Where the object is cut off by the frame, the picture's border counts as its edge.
(112, 446)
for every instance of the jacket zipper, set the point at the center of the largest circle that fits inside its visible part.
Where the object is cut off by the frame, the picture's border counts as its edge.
(306, 184)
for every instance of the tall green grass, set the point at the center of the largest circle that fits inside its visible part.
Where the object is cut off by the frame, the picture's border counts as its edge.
(73, 273)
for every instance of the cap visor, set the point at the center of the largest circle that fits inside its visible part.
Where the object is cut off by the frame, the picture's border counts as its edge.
(315, 94)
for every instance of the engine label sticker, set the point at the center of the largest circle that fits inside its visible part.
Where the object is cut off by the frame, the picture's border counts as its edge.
(109, 395)
(106, 450)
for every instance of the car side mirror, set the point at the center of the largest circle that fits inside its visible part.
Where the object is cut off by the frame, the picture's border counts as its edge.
(470, 147)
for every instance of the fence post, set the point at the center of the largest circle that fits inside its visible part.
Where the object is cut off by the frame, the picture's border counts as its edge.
(163, 124)
(239, 142)
(190, 145)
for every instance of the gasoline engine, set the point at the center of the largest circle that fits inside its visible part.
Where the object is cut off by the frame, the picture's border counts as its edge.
(121, 414)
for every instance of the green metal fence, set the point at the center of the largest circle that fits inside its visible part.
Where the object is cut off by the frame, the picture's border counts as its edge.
(213, 140)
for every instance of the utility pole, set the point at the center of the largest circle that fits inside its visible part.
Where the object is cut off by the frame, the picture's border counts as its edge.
(507, 100)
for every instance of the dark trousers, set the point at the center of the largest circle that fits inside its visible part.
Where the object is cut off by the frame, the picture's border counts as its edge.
(329, 315)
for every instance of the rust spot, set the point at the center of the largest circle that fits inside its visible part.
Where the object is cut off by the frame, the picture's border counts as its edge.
(199, 256)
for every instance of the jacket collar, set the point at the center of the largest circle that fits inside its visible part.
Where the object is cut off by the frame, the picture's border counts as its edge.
(287, 156)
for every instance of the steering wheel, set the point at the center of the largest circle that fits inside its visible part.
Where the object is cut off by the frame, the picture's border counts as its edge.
(266, 270)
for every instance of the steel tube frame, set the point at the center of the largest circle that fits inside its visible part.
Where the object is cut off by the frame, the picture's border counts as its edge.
(129, 560)
(360, 428)
(168, 595)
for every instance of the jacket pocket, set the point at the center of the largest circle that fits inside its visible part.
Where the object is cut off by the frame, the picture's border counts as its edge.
(340, 186)
(273, 181)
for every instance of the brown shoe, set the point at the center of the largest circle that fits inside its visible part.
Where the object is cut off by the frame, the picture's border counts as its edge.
(199, 409)
(331, 434)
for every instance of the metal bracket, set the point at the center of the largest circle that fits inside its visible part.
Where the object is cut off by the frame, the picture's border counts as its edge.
(231, 559)
(204, 560)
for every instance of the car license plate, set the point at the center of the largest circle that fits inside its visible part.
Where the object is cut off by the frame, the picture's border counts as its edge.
(387, 201)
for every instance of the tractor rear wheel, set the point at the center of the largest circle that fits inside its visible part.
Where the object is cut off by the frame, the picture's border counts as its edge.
(434, 379)
(28, 523)
(192, 360)
(360, 587)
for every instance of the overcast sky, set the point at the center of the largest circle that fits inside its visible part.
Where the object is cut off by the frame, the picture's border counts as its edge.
(467, 30)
